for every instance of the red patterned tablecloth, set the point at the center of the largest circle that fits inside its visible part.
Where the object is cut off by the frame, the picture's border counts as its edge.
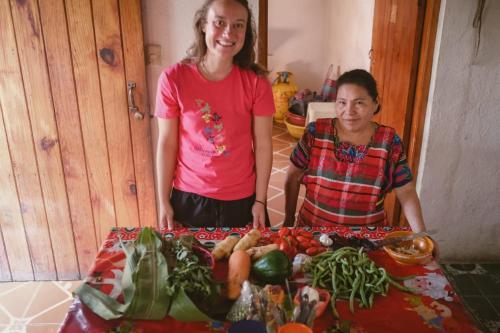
(435, 308)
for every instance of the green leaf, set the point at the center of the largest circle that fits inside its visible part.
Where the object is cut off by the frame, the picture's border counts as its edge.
(183, 309)
(101, 304)
(144, 283)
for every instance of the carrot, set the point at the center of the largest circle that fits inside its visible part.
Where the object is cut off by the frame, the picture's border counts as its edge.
(248, 241)
(238, 272)
(223, 249)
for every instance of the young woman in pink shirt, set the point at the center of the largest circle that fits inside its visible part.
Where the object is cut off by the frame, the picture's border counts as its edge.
(214, 112)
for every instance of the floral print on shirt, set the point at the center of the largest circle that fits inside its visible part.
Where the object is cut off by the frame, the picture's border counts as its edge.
(213, 130)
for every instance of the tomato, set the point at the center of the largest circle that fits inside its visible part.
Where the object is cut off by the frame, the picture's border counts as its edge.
(292, 241)
(284, 232)
(274, 236)
(306, 234)
(289, 250)
(315, 243)
(305, 245)
(313, 251)
(302, 239)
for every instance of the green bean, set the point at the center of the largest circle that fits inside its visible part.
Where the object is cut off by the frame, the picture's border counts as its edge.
(350, 274)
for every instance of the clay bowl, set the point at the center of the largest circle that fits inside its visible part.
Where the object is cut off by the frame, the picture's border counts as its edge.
(413, 252)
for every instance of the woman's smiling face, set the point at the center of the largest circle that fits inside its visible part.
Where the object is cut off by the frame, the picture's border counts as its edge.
(225, 28)
(354, 107)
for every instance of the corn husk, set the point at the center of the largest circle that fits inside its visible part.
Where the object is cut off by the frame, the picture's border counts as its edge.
(144, 283)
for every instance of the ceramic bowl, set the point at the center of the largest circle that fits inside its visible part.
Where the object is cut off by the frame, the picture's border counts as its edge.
(295, 119)
(423, 245)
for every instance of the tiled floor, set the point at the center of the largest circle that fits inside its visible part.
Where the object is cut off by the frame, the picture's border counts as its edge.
(34, 307)
(40, 307)
(479, 287)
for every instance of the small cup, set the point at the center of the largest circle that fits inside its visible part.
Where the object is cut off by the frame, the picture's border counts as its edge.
(294, 328)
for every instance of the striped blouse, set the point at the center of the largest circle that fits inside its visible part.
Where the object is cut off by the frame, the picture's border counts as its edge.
(346, 184)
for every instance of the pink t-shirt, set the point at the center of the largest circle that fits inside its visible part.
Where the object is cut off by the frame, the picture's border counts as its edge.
(215, 157)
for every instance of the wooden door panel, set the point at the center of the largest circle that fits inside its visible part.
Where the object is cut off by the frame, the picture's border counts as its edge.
(113, 87)
(395, 45)
(86, 75)
(45, 135)
(24, 165)
(130, 15)
(73, 162)
(12, 236)
(53, 20)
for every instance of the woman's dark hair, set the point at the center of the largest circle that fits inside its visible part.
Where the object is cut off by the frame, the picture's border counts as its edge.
(244, 59)
(361, 78)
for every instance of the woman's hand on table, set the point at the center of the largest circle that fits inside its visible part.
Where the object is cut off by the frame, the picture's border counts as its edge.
(167, 216)
(259, 215)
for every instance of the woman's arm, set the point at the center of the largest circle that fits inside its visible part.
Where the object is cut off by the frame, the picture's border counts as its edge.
(407, 196)
(292, 187)
(263, 148)
(166, 161)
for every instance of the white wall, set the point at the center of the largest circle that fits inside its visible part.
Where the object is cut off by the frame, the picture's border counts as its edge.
(349, 36)
(297, 40)
(305, 37)
(459, 180)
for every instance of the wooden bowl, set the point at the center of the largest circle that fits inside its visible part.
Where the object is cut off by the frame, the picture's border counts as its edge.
(294, 130)
(412, 252)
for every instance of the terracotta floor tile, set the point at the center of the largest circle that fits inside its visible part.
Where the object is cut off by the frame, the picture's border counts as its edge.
(273, 192)
(279, 145)
(42, 328)
(277, 179)
(276, 218)
(278, 130)
(278, 203)
(286, 137)
(4, 318)
(49, 293)
(287, 151)
(9, 286)
(52, 315)
(16, 302)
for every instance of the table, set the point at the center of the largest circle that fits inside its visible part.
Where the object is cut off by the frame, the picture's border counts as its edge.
(435, 308)
(316, 110)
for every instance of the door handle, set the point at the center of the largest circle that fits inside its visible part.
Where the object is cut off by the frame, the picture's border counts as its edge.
(131, 102)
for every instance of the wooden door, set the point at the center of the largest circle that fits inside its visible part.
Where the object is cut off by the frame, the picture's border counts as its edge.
(74, 162)
(397, 30)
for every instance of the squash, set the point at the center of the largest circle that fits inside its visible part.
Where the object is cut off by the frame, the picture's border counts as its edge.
(272, 268)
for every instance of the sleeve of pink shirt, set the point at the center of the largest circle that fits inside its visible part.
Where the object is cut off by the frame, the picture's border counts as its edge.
(263, 101)
(167, 105)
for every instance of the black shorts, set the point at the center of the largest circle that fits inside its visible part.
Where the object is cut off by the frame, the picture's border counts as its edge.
(193, 210)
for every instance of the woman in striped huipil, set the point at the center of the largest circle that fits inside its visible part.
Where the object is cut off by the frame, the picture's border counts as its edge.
(349, 163)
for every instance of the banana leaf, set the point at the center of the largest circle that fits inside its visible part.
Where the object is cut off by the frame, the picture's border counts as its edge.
(183, 309)
(143, 282)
